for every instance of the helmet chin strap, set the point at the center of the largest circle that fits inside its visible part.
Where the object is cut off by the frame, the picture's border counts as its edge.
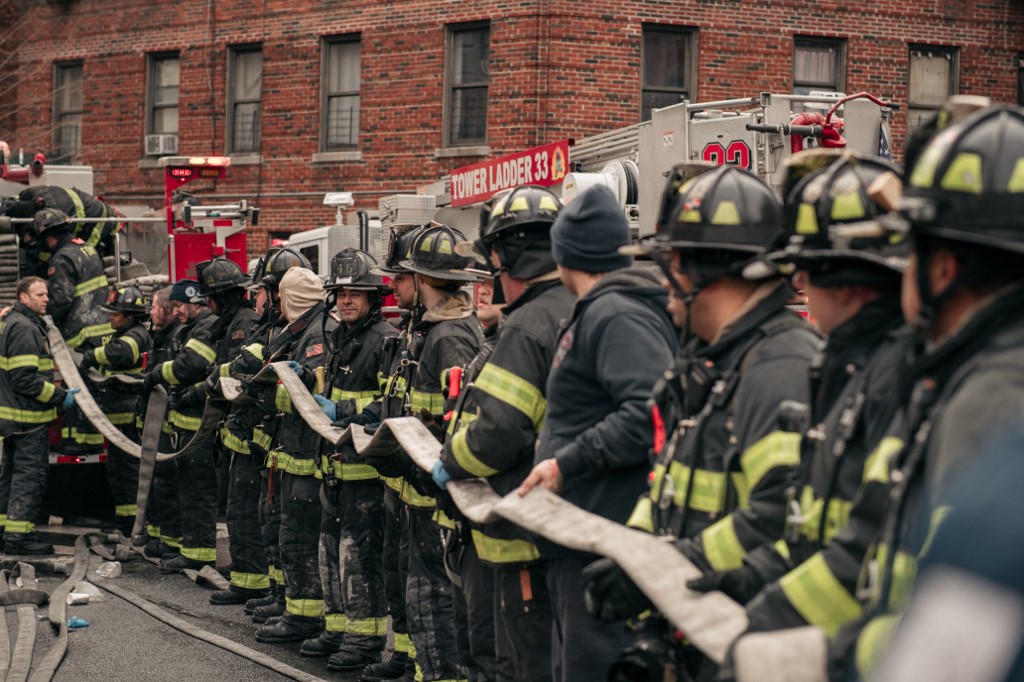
(687, 297)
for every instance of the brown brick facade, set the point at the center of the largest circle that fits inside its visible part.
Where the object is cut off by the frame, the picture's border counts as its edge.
(557, 70)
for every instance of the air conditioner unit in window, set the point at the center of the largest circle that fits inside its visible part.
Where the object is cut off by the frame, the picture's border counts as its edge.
(160, 145)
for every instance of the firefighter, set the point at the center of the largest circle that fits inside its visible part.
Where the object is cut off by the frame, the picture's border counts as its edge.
(392, 404)
(507, 399)
(28, 402)
(254, 432)
(197, 477)
(962, 291)
(78, 287)
(850, 269)
(593, 447)
(99, 234)
(124, 353)
(294, 454)
(163, 523)
(720, 480)
(352, 523)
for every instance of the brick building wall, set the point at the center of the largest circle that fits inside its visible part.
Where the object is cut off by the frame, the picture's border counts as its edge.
(557, 69)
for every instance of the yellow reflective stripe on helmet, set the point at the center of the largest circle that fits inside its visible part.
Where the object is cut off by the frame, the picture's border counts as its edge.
(964, 174)
(295, 465)
(642, 517)
(199, 553)
(93, 284)
(722, 547)
(233, 442)
(311, 608)
(250, 581)
(77, 201)
(817, 595)
(426, 400)
(779, 448)
(873, 643)
(15, 414)
(726, 213)
(923, 174)
(47, 392)
(876, 468)
(847, 206)
(125, 510)
(335, 622)
(691, 216)
(806, 219)
(90, 332)
(1016, 183)
(34, 361)
(12, 526)
(282, 401)
(204, 351)
(514, 390)
(499, 551)
(465, 457)
(374, 627)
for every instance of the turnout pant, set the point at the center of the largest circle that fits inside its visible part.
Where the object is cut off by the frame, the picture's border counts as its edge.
(23, 478)
(270, 522)
(522, 624)
(394, 564)
(474, 615)
(123, 478)
(299, 541)
(162, 511)
(428, 601)
(245, 542)
(197, 497)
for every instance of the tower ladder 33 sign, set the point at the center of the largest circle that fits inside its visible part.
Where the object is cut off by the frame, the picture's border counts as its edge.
(736, 153)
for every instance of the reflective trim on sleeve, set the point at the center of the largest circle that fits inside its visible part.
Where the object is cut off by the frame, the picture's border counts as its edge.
(642, 517)
(513, 390)
(47, 392)
(91, 332)
(777, 449)
(817, 595)
(722, 547)
(134, 345)
(34, 361)
(167, 372)
(876, 468)
(100, 354)
(309, 608)
(256, 350)
(498, 551)
(204, 351)
(873, 643)
(82, 288)
(465, 457)
(224, 370)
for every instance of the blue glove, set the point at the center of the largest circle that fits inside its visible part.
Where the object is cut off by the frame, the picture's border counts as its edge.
(297, 368)
(328, 406)
(69, 397)
(440, 475)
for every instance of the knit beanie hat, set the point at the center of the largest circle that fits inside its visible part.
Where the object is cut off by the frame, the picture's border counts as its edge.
(300, 290)
(589, 231)
(185, 291)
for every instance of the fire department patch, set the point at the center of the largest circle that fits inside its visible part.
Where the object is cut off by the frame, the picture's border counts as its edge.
(315, 349)
(240, 334)
(51, 271)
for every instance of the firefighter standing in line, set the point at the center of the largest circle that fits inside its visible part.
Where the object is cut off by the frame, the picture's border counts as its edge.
(28, 403)
(122, 354)
(964, 200)
(594, 444)
(163, 523)
(352, 529)
(197, 476)
(256, 430)
(78, 287)
(295, 455)
(507, 400)
(720, 483)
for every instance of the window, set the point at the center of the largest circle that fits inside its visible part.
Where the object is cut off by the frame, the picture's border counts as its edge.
(340, 104)
(67, 109)
(932, 80)
(245, 90)
(668, 68)
(164, 77)
(818, 64)
(466, 110)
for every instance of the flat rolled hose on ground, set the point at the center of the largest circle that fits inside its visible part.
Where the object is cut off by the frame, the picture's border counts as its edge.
(212, 415)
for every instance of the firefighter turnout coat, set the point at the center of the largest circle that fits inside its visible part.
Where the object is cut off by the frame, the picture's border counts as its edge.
(28, 396)
(78, 287)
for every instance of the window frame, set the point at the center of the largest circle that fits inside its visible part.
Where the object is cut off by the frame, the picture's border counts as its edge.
(326, 44)
(689, 91)
(153, 59)
(229, 129)
(953, 53)
(450, 87)
(839, 85)
(58, 112)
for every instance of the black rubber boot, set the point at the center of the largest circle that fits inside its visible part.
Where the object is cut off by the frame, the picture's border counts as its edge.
(254, 604)
(325, 644)
(236, 595)
(349, 659)
(25, 543)
(179, 563)
(391, 669)
(290, 629)
(261, 614)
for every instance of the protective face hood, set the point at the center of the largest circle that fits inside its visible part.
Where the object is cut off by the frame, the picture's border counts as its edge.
(300, 290)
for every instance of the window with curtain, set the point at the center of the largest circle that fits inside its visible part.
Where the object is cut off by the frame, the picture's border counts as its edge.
(932, 80)
(668, 67)
(818, 64)
(68, 105)
(340, 103)
(467, 77)
(164, 81)
(245, 78)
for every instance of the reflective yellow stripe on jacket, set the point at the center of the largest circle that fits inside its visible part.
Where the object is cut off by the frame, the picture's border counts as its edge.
(93, 331)
(360, 398)
(34, 361)
(510, 388)
(98, 282)
(503, 551)
(817, 595)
